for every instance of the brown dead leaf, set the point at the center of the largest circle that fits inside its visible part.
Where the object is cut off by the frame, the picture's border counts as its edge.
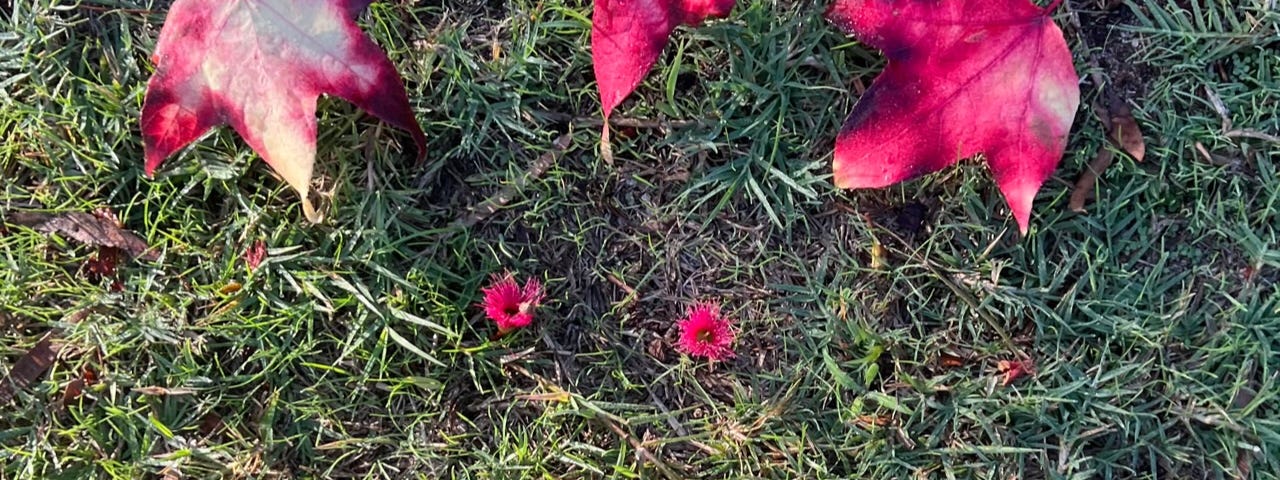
(86, 228)
(950, 361)
(73, 390)
(1083, 190)
(102, 264)
(76, 387)
(28, 369)
(1126, 135)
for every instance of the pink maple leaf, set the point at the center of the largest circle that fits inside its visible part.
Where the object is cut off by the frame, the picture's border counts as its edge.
(627, 36)
(705, 333)
(964, 77)
(259, 65)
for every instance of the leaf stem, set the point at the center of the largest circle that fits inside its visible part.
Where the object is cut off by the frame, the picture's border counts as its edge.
(1052, 6)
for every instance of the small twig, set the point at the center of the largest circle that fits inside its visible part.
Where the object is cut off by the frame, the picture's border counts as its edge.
(1218, 160)
(606, 418)
(504, 195)
(631, 294)
(28, 368)
(1252, 134)
(640, 449)
(618, 122)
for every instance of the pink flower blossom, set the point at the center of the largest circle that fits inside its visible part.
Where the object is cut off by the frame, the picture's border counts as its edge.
(510, 306)
(255, 254)
(704, 333)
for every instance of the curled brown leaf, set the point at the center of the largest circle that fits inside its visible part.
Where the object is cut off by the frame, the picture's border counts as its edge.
(1126, 135)
(86, 228)
(28, 368)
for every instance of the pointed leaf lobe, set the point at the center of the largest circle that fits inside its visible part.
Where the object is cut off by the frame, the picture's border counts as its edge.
(964, 77)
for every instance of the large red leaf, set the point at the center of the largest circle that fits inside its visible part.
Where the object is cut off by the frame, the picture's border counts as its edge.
(259, 65)
(627, 36)
(964, 77)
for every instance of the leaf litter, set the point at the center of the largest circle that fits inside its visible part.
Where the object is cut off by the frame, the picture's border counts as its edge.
(1124, 134)
(89, 229)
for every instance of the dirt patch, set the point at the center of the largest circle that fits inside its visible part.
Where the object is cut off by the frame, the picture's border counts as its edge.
(1118, 52)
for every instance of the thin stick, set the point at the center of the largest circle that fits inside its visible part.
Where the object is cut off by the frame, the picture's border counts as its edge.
(504, 195)
(1252, 134)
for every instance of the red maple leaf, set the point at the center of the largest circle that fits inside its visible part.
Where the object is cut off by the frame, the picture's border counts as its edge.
(627, 36)
(259, 65)
(103, 265)
(964, 77)
(1014, 369)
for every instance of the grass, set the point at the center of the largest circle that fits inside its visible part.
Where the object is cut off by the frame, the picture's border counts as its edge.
(356, 350)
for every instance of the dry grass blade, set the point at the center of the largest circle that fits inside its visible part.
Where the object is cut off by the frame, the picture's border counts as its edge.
(1253, 134)
(1220, 107)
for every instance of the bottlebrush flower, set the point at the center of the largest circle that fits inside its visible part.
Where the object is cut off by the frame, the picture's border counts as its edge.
(255, 254)
(704, 333)
(510, 306)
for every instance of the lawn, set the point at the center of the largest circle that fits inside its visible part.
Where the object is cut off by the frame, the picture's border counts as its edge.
(872, 324)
